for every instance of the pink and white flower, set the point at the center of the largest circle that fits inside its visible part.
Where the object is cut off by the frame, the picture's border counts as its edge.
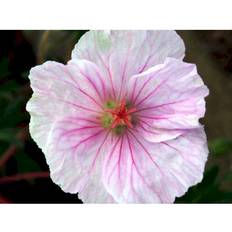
(119, 123)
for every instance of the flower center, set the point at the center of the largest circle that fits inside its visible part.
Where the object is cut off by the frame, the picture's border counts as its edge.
(117, 116)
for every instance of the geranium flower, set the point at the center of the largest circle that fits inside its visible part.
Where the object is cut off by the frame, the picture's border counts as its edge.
(120, 122)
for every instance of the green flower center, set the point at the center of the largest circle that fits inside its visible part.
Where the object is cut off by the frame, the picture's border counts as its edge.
(117, 116)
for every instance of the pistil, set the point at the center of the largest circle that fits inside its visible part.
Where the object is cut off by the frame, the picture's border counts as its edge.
(121, 115)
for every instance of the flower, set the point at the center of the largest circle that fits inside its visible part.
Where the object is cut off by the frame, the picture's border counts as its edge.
(120, 121)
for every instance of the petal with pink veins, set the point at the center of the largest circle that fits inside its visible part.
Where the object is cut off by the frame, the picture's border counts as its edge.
(138, 171)
(64, 123)
(121, 54)
(169, 98)
(59, 91)
(74, 154)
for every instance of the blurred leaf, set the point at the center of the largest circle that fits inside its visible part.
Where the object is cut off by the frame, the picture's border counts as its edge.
(209, 177)
(3, 147)
(208, 191)
(53, 44)
(226, 197)
(12, 110)
(228, 177)
(25, 74)
(220, 146)
(4, 67)
(26, 164)
(9, 135)
(9, 86)
(204, 191)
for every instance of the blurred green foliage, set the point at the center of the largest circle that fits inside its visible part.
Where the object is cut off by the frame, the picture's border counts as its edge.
(210, 189)
(53, 44)
(13, 117)
(221, 146)
(15, 63)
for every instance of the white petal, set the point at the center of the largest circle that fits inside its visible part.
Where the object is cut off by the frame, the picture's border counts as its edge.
(65, 126)
(121, 54)
(137, 171)
(169, 96)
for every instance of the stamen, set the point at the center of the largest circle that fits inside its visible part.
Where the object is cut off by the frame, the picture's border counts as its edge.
(121, 115)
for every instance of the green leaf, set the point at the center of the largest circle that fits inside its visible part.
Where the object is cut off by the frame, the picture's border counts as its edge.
(210, 177)
(25, 74)
(220, 146)
(3, 147)
(204, 191)
(228, 176)
(53, 44)
(12, 111)
(4, 67)
(26, 164)
(9, 86)
(8, 135)
(226, 197)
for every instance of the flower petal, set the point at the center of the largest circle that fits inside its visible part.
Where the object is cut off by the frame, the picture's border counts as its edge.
(64, 123)
(168, 96)
(74, 155)
(154, 134)
(121, 54)
(90, 79)
(138, 171)
(58, 91)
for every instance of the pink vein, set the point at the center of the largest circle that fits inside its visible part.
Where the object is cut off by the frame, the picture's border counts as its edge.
(107, 68)
(91, 98)
(123, 74)
(78, 106)
(137, 170)
(110, 156)
(180, 153)
(141, 89)
(75, 130)
(146, 152)
(99, 149)
(161, 105)
(75, 120)
(152, 92)
(86, 139)
(93, 84)
(134, 87)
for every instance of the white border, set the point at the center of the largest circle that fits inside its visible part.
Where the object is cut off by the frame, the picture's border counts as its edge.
(115, 14)
(119, 218)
